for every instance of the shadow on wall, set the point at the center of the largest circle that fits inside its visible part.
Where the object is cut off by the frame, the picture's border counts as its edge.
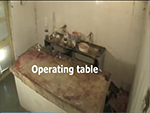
(123, 73)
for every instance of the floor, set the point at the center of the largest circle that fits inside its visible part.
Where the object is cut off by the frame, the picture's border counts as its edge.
(8, 95)
(9, 99)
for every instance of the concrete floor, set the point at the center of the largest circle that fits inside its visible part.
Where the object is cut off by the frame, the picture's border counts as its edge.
(8, 95)
(9, 99)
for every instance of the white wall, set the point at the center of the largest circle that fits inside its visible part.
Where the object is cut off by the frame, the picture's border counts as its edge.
(142, 75)
(23, 28)
(116, 25)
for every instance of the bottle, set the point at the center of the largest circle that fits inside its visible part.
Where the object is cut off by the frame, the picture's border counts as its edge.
(46, 34)
(53, 21)
(74, 38)
(65, 40)
(54, 32)
(46, 29)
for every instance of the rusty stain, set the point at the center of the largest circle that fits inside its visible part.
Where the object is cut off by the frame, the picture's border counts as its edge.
(17, 64)
(145, 2)
(133, 7)
(70, 98)
(41, 56)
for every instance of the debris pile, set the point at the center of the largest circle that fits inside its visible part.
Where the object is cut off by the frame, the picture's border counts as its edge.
(117, 100)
